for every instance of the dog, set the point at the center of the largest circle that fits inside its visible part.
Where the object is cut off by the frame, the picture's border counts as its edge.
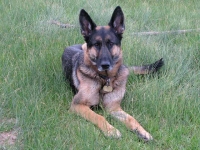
(97, 74)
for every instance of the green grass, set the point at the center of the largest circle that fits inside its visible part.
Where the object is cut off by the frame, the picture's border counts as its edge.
(32, 89)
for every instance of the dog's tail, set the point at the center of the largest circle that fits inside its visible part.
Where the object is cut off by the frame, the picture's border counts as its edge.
(147, 69)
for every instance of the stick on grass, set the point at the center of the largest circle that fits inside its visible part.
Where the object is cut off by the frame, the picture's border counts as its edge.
(167, 32)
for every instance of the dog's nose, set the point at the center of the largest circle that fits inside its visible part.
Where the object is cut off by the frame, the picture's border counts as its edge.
(105, 65)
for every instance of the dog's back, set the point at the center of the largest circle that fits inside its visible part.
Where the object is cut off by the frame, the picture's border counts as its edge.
(70, 62)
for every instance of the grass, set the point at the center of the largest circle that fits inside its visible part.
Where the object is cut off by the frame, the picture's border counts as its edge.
(33, 92)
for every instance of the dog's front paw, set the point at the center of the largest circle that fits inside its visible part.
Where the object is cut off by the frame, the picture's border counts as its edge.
(144, 136)
(113, 133)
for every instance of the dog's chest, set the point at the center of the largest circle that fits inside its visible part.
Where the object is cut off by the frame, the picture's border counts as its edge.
(95, 82)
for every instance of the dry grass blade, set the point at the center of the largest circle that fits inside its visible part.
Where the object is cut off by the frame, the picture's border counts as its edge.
(62, 25)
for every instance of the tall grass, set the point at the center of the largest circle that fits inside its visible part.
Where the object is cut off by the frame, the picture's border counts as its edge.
(33, 91)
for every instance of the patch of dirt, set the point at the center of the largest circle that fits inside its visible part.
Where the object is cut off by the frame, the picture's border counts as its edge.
(8, 138)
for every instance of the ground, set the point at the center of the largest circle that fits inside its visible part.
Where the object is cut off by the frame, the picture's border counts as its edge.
(8, 137)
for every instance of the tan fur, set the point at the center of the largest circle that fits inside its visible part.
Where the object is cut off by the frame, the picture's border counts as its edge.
(105, 27)
(139, 70)
(116, 51)
(84, 46)
(89, 53)
(98, 38)
(96, 119)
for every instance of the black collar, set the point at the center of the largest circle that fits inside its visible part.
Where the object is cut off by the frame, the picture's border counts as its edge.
(105, 77)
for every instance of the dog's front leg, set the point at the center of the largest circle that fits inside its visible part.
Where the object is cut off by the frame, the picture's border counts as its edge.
(98, 120)
(131, 123)
(111, 102)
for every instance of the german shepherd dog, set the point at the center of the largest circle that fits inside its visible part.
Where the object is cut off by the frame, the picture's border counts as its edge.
(97, 75)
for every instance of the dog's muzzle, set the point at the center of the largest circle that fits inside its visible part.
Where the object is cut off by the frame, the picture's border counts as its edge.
(105, 65)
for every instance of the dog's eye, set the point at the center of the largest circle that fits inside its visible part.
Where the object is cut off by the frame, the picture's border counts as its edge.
(110, 44)
(97, 45)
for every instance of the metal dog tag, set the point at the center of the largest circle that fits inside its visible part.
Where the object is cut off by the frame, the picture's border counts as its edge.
(107, 88)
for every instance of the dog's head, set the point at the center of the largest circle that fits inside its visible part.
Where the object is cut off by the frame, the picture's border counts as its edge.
(103, 42)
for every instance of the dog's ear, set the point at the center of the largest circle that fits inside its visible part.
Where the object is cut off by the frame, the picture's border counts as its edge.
(86, 23)
(117, 20)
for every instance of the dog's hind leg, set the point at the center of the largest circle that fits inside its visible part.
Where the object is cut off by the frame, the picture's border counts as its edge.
(98, 120)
